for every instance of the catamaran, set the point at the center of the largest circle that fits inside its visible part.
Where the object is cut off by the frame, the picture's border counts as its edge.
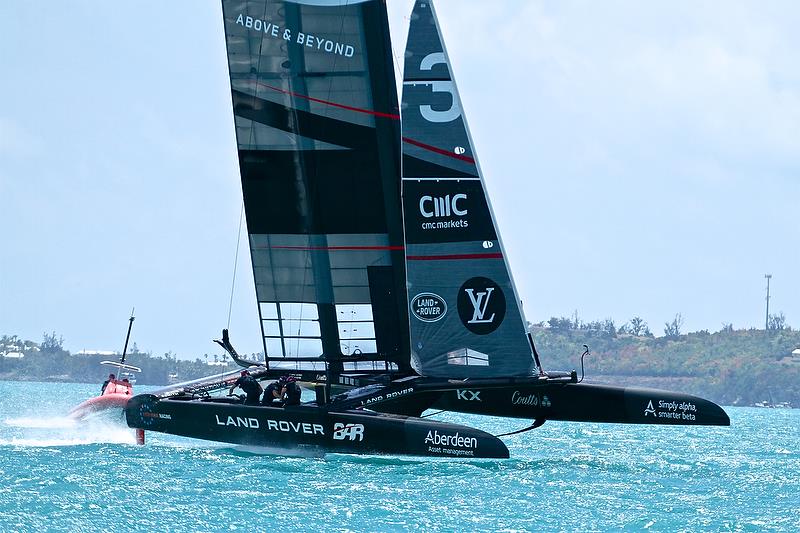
(117, 390)
(380, 274)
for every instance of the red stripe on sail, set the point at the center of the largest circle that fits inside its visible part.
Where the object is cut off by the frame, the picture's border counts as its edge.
(453, 257)
(350, 248)
(333, 104)
(430, 148)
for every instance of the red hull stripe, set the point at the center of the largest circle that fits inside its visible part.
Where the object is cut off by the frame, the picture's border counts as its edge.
(439, 150)
(337, 248)
(453, 257)
(333, 104)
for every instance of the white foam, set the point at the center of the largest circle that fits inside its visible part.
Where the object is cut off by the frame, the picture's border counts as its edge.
(42, 423)
(64, 431)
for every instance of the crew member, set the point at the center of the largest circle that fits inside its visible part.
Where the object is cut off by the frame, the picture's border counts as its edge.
(250, 386)
(111, 378)
(291, 392)
(272, 394)
(285, 391)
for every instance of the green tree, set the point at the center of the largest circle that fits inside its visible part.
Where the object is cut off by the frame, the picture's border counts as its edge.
(776, 322)
(52, 343)
(561, 324)
(673, 329)
(608, 328)
(638, 326)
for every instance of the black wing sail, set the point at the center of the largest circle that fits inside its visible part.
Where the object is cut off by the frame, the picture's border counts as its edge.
(465, 316)
(317, 126)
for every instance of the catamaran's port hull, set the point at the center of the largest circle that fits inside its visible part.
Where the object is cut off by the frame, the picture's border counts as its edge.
(99, 403)
(310, 427)
(581, 402)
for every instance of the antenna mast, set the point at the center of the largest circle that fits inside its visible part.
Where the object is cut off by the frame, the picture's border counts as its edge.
(766, 321)
(128, 336)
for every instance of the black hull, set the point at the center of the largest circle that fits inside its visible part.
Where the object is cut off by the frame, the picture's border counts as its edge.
(541, 398)
(563, 401)
(310, 427)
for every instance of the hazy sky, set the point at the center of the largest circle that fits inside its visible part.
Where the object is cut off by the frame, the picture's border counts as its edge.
(642, 158)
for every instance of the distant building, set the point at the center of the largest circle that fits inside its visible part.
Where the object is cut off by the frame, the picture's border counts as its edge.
(108, 353)
(12, 355)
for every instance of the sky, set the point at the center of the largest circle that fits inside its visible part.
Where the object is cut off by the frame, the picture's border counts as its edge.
(642, 159)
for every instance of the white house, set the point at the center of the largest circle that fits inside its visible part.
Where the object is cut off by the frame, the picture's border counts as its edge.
(107, 353)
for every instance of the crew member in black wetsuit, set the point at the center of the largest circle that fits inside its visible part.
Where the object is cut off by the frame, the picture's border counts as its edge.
(111, 377)
(291, 392)
(272, 394)
(281, 393)
(250, 386)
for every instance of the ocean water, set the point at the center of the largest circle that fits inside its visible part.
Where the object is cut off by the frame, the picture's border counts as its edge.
(58, 476)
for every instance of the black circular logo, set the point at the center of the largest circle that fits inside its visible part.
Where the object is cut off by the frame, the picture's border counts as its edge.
(147, 410)
(481, 305)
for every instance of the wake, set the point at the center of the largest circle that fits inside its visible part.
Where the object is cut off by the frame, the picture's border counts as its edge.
(42, 423)
(65, 431)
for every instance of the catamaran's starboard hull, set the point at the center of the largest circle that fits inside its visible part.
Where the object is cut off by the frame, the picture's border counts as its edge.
(310, 428)
(581, 402)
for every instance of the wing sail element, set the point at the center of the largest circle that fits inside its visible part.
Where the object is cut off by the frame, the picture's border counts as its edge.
(465, 316)
(317, 127)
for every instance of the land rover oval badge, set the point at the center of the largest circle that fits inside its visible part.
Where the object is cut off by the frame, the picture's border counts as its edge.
(428, 307)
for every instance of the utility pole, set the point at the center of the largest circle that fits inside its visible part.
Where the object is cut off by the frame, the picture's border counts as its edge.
(766, 321)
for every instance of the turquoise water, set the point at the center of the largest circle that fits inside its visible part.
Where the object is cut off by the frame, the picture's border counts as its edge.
(577, 477)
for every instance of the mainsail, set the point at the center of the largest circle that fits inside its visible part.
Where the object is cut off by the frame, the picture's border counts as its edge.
(465, 315)
(317, 126)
